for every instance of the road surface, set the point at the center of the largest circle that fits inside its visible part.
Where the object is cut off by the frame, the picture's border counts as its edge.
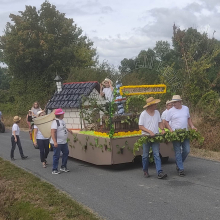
(121, 193)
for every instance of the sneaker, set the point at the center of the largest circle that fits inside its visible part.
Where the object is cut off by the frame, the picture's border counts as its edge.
(24, 157)
(12, 159)
(146, 174)
(45, 162)
(44, 165)
(64, 169)
(182, 173)
(55, 172)
(161, 175)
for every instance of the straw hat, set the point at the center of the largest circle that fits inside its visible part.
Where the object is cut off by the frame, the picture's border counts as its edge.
(176, 98)
(107, 80)
(151, 101)
(16, 119)
(168, 102)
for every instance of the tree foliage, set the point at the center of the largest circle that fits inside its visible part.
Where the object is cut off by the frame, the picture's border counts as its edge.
(38, 44)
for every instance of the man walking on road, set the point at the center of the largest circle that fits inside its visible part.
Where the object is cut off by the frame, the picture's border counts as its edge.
(178, 117)
(148, 122)
(59, 141)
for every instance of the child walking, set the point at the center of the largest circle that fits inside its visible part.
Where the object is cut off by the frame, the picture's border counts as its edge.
(15, 139)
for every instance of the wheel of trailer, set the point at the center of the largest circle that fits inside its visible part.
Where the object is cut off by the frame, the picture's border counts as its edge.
(2, 127)
(50, 147)
(164, 159)
(35, 146)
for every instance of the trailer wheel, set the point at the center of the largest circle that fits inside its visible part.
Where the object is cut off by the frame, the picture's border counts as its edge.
(2, 127)
(164, 159)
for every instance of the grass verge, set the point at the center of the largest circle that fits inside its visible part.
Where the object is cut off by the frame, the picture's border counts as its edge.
(25, 196)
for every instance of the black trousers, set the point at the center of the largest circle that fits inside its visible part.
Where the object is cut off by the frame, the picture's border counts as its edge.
(13, 145)
(43, 145)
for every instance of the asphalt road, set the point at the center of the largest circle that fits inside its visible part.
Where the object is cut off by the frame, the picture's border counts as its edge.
(121, 193)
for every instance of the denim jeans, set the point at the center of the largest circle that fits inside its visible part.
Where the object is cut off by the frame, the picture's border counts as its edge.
(56, 155)
(181, 154)
(156, 152)
(43, 145)
(13, 145)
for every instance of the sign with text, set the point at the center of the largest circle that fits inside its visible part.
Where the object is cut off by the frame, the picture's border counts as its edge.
(143, 89)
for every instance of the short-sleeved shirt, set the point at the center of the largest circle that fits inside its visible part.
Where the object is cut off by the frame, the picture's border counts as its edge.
(39, 134)
(15, 128)
(150, 122)
(61, 133)
(164, 115)
(178, 118)
(108, 94)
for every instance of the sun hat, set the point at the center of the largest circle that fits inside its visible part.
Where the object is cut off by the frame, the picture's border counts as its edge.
(39, 112)
(151, 101)
(176, 98)
(168, 102)
(59, 111)
(16, 119)
(107, 80)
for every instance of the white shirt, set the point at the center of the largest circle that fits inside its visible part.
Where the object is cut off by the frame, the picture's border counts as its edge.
(61, 131)
(108, 94)
(178, 118)
(150, 122)
(39, 134)
(164, 114)
(15, 128)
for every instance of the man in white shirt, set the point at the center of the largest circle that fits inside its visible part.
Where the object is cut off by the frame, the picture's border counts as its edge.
(107, 91)
(59, 141)
(178, 117)
(169, 105)
(148, 122)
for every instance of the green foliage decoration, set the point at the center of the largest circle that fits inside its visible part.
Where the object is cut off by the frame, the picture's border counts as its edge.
(177, 135)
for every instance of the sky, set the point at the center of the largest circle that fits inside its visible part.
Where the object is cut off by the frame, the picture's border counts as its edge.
(121, 29)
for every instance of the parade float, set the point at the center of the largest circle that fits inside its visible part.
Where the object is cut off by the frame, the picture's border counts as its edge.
(102, 132)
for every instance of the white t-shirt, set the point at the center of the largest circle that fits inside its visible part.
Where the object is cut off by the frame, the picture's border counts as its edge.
(108, 94)
(178, 118)
(39, 134)
(61, 131)
(164, 114)
(15, 128)
(150, 122)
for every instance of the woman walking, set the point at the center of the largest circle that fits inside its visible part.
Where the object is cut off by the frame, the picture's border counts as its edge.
(41, 142)
(15, 139)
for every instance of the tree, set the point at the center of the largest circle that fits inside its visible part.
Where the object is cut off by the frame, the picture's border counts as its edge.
(37, 45)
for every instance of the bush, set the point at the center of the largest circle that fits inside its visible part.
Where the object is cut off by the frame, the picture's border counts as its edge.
(209, 107)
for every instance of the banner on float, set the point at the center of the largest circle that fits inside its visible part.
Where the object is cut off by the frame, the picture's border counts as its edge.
(143, 89)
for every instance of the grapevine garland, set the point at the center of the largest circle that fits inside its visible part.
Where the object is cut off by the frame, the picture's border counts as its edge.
(177, 135)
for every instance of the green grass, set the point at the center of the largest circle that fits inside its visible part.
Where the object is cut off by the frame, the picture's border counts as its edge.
(25, 196)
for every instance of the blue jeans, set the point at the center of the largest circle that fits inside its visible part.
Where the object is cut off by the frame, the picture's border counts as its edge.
(56, 155)
(156, 152)
(181, 154)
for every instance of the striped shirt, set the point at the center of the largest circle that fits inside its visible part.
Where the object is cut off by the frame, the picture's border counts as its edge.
(150, 122)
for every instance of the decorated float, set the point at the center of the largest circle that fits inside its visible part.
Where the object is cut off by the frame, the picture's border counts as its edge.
(103, 133)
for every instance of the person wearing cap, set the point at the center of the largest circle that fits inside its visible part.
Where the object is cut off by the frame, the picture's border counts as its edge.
(59, 141)
(15, 139)
(178, 117)
(169, 105)
(148, 122)
(107, 91)
(41, 142)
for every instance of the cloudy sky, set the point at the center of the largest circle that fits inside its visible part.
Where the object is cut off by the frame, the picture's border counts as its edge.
(120, 29)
